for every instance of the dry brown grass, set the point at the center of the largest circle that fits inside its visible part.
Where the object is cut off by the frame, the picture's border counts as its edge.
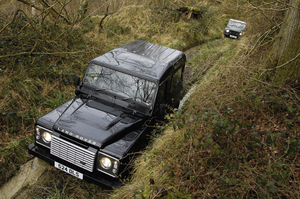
(234, 136)
(35, 84)
(178, 162)
(229, 141)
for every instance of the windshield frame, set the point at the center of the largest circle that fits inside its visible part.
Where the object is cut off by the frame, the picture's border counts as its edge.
(130, 100)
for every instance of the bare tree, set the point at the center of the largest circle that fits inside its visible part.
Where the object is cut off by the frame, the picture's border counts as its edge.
(33, 9)
(83, 9)
(46, 7)
(287, 30)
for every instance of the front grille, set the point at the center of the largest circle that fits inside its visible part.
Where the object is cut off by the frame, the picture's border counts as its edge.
(234, 33)
(72, 153)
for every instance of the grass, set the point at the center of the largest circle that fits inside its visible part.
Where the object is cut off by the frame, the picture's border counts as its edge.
(12, 156)
(238, 134)
(211, 53)
(64, 186)
(56, 193)
(162, 162)
(37, 68)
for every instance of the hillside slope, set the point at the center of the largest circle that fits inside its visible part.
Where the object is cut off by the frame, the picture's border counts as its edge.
(236, 136)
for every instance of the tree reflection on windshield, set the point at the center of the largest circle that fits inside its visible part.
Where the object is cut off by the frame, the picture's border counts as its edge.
(236, 24)
(127, 86)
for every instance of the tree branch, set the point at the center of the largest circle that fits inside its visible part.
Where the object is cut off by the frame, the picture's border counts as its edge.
(264, 14)
(54, 12)
(100, 24)
(31, 4)
(281, 65)
(106, 15)
(10, 20)
(285, 63)
(30, 22)
(42, 53)
(60, 12)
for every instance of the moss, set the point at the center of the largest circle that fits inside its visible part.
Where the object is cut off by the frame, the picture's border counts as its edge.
(291, 71)
(196, 10)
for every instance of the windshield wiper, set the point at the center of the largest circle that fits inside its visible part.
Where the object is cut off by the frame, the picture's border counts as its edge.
(127, 98)
(102, 90)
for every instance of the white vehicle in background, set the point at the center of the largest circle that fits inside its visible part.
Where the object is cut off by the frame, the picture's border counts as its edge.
(234, 29)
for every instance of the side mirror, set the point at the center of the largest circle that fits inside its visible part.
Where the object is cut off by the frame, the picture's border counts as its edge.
(225, 24)
(76, 81)
(162, 109)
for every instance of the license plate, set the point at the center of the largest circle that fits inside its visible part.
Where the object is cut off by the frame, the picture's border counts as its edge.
(233, 36)
(68, 170)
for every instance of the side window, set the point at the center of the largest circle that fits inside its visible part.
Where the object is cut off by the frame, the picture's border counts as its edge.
(169, 85)
(175, 79)
(160, 95)
(178, 75)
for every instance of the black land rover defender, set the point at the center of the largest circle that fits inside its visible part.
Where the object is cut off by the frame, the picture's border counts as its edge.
(121, 95)
(234, 28)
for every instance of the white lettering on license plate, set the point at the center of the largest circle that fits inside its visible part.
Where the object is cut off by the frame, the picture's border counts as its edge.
(68, 170)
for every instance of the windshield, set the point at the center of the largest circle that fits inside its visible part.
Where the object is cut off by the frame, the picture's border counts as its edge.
(237, 24)
(122, 84)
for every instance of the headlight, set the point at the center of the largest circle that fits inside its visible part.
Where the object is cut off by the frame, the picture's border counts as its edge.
(227, 30)
(105, 162)
(46, 136)
(241, 33)
(43, 136)
(108, 164)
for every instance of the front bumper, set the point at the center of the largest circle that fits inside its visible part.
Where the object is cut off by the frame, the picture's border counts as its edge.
(232, 34)
(94, 177)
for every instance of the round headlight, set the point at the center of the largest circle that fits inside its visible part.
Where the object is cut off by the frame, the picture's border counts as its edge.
(105, 162)
(46, 136)
(241, 33)
(227, 30)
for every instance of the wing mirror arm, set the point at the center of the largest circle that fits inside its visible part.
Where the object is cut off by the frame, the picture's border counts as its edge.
(76, 81)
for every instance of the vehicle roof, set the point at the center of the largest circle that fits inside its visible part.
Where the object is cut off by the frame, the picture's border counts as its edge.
(237, 21)
(140, 58)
